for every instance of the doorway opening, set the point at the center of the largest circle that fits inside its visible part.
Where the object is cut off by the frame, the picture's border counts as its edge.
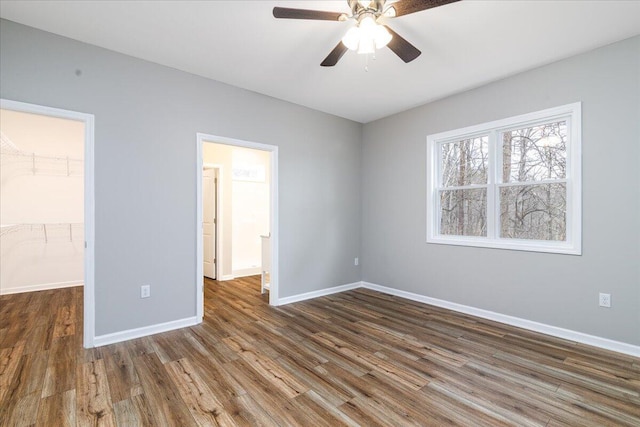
(249, 171)
(47, 202)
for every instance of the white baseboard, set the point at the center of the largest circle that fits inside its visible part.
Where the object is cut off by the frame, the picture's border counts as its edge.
(39, 287)
(144, 331)
(244, 272)
(319, 293)
(555, 331)
(226, 277)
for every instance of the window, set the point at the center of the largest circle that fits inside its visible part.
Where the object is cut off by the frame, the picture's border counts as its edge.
(509, 184)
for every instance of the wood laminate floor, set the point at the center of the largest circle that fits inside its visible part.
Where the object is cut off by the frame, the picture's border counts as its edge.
(355, 358)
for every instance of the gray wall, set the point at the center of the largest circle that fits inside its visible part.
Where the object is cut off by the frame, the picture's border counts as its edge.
(559, 290)
(147, 117)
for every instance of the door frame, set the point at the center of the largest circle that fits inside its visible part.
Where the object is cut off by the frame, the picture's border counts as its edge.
(218, 228)
(201, 139)
(89, 203)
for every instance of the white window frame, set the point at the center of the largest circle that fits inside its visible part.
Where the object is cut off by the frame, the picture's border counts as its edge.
(573, 244)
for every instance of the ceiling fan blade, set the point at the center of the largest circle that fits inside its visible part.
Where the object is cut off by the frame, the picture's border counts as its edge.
(288, 13)
(405, 7)
(335, 55)
(405, 50)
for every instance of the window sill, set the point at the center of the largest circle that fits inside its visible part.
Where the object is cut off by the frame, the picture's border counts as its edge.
(513, 244)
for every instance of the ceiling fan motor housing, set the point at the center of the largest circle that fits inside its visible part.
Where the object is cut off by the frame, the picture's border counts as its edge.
(358, 10)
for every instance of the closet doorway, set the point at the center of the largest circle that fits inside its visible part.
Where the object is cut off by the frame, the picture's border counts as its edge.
(247, 210)
(46, 202)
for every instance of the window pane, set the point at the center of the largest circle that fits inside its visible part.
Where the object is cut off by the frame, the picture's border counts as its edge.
(535, 153)
(533, 212)
(463, 212)
(465, 162)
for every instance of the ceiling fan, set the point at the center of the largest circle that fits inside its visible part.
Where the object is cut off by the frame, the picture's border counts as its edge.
(369, 33)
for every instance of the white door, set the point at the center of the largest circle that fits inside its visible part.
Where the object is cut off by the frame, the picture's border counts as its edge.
(209, 188)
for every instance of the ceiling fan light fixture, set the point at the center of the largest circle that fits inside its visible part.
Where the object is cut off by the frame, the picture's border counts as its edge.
(352, 39)
(367, 23)
(381, 36)
(367, 36)
(366, 45)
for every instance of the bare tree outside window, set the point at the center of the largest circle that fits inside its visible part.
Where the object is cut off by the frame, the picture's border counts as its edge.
(464, 165)
(531, 207)
(465, 162)
(464, 212)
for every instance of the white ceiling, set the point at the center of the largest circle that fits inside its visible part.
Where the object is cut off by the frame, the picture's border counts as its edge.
(464, 44)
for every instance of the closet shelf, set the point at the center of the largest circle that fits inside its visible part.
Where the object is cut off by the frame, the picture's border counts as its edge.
(46, 231)
(55, 165)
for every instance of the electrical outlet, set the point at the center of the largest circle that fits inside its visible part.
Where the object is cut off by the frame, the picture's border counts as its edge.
(605, 300)
(145, 291)
(355, 261)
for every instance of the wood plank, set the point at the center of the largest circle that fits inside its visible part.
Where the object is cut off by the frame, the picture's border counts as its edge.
(3, 333)
(606, 411)
(40, 335)
(65, 321)
(127, 413)
(456, 413)
(224, 385)
(410, 377)
(166, 407)
(205, 408)
(278, 377)
(93, 397)
(22, 411)
(369, 411)
(328, 411)
(121, 374)
(487, 407)
(9, 362)
(262, 392)
(61, 367)
(510, 392)
(144, 411)
(624, 392)
(283, 345)
(58, 409)
(30, 374)
(252, 413)
(314, 382)
(405, 399)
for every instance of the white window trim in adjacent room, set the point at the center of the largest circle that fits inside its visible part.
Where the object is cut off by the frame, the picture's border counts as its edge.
(572, 245)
